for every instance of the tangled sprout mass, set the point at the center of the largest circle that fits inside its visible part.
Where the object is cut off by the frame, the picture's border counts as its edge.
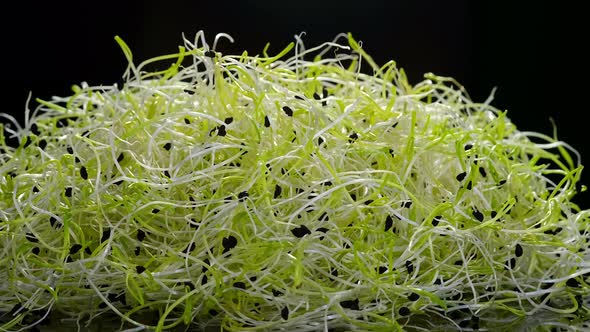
(292, 192)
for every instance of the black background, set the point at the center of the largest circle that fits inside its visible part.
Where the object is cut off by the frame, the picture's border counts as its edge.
(532, 52)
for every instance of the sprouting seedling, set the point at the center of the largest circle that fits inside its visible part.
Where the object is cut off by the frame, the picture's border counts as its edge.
(287, 192)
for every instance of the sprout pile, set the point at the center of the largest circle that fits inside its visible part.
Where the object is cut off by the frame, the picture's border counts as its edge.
(312, 190)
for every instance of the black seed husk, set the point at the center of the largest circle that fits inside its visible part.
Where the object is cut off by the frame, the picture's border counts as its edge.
(31, 237)
(106, 234)
(478, 215)
(229, 243)
(300, 231)
(323, 230)
(83, 173)
(409, 266)
(285, 313)
(518, 250)
(436, 221)
(334, 272)
(404, 311)
(190, 248)
(140, 235)
(388, 223)
(511, 263)
(482, 171)
(75, 248)
(461, 176)
(35, 129)
(221, 130)
(350, 304)
(288, 110)
(278, 191)
(242, 196)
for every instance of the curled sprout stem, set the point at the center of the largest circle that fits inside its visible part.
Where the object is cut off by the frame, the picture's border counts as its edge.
(287, 192)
